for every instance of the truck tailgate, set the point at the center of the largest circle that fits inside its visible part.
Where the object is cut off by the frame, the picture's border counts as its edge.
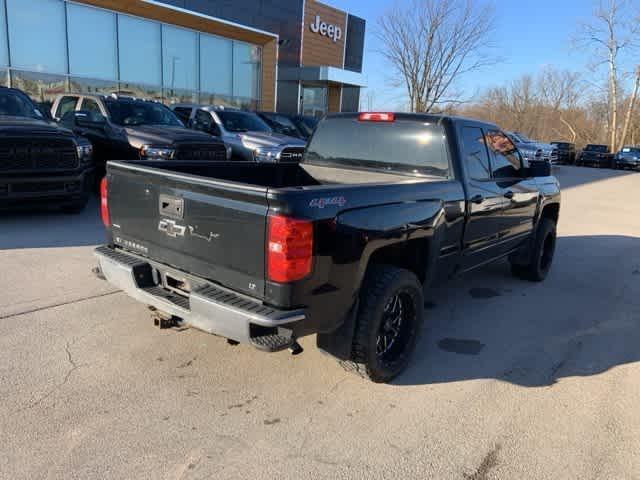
(212, 229)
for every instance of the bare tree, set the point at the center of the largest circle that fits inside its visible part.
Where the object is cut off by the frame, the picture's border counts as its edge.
(630, 106)
(432, 44)
(611, 33)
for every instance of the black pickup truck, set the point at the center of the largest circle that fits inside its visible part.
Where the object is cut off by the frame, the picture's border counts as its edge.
(595, 156)
(41, 163)
(123, 127)
(341, 245)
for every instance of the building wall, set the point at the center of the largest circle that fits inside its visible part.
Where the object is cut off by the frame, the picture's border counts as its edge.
(333, 100)
(350, 99)
(354, 51)
(319, 49)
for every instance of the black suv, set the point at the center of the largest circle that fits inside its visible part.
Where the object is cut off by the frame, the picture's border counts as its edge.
(39, 160)
(300, 126)
(566, 152)
(127, 128)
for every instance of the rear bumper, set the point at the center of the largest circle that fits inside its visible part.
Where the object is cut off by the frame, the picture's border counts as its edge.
(207, 307)
(44, 187)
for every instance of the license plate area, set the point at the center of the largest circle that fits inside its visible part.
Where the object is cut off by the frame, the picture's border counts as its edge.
(171, 206)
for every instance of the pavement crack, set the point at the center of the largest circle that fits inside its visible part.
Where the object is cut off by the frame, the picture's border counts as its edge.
(61, 304)
(73, 367)
(489, 462)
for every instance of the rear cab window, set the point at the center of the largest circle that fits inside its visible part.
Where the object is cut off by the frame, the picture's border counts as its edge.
(597, 148)
(183, 113)
(66, 104)
(402, 146)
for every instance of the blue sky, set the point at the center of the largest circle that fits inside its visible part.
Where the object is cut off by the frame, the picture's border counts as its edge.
(528, 36)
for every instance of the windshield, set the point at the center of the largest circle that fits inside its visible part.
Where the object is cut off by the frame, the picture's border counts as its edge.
(415, 147)
(14, 104)
(282, 124)
(630, 150)
(597, 148)
(140, 112)
(242, 122)
(307, 124)
(561, 144)
(523, 138)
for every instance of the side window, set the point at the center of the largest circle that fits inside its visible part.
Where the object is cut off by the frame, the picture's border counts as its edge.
(66, 104)
(183, 113)
(476, 158)
(90, 105)
(206, 123)
(505, 159)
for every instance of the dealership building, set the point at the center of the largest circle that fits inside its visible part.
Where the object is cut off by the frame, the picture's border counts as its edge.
(285, 55)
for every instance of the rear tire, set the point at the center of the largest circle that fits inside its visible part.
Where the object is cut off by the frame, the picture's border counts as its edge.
(542, 252)
(388, 323)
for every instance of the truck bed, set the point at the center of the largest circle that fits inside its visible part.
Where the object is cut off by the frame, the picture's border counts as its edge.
(211, 219)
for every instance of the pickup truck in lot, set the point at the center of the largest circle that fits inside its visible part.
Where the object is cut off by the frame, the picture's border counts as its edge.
(123, 127)
(594, 155)
(341, 245)
(41, 163)
(245, 133)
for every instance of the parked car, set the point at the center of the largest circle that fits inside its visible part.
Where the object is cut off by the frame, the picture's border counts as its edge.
(300, 126)
(128, 128)
(595, 156)
(39, 160)
(566, 152)
(342, 245)
(249, 137)
(534, 151)
(627, 158)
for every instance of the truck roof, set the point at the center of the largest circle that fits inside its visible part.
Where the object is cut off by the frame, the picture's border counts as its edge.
(422, 117)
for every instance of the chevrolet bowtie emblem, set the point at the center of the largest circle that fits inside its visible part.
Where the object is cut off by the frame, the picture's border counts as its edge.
(171, 229)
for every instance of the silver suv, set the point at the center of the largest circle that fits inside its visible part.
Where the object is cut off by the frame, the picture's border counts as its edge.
(249, 137)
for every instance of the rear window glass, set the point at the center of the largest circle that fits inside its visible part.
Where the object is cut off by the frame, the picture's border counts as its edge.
(417, 147)
(597, 148)
(630, 150)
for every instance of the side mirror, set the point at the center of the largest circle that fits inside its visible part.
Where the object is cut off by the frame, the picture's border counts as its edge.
(91, 120)
(538, 169)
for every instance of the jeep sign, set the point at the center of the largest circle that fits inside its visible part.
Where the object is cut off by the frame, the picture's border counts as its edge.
(332, 31)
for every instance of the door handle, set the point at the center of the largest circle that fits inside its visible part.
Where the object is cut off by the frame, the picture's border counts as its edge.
(508, 194)
(477, 199)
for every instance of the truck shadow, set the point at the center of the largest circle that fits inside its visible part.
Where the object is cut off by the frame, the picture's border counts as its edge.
(570, 176)
(583, 320)
(39, 228)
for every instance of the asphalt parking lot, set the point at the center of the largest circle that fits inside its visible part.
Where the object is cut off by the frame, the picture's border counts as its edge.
(511, 379)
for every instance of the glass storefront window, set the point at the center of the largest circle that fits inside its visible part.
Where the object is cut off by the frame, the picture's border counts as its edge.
(173, 95)
(216, 56)
(179, 54)
(4, 50)
(140, 51)
(246, 70)
(140, 91)
(314, 101)
(37, 36)
(88, 85)
(92, 42)
(57, 46)
(41, 87)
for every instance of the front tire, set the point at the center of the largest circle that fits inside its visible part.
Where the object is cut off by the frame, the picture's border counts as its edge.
(388, 323)
(541, 258)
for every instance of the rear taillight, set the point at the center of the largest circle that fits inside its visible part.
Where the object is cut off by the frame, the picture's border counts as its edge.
(376, 117)
(289, 249)
(104, 203)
